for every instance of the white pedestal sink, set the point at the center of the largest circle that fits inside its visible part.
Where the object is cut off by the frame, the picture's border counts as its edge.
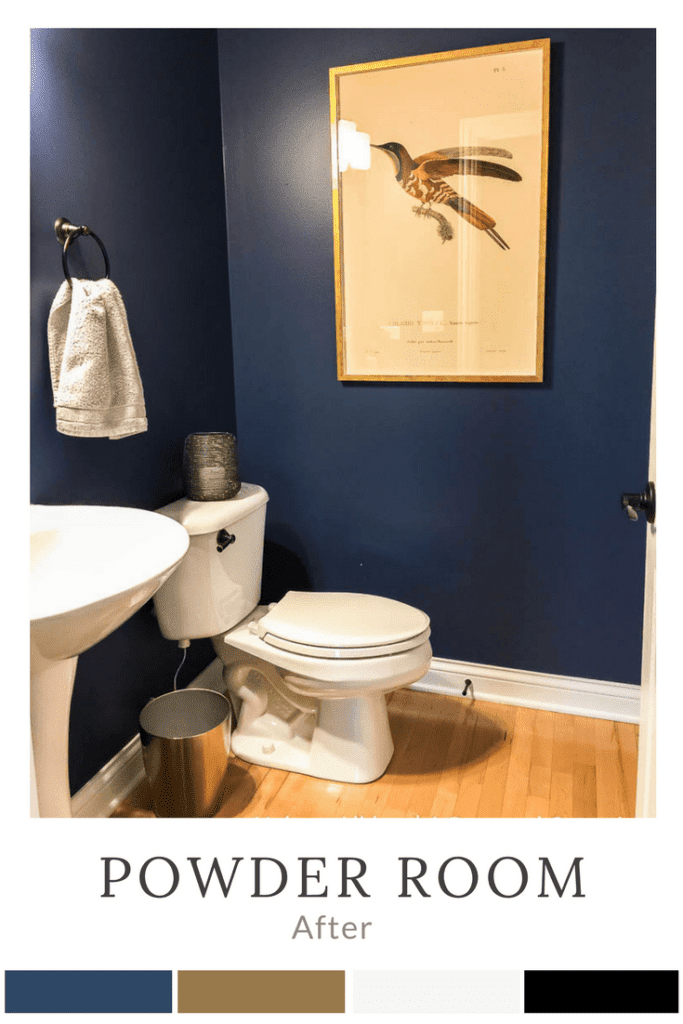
(92, 567)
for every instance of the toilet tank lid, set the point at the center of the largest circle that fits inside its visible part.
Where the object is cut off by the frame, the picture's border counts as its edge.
(206, 516)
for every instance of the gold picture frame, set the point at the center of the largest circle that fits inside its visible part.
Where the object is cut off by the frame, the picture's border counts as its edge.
(440, 258)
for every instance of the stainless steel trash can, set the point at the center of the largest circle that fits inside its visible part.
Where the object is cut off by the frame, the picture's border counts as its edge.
(185, 738)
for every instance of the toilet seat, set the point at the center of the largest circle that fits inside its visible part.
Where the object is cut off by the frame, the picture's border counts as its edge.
(342, 626)
(344, 653)
(330, 671)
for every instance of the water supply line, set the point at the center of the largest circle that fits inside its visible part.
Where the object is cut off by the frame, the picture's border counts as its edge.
(184, 644)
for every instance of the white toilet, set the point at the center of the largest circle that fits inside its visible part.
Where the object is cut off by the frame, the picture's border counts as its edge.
(310, 672)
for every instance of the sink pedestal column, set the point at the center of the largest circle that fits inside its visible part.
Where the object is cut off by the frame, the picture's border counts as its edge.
(52, 684)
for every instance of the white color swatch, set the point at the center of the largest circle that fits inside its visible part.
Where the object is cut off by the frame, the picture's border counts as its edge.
(436, 991)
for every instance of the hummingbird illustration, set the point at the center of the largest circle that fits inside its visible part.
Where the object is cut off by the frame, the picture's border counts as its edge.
(423, 179)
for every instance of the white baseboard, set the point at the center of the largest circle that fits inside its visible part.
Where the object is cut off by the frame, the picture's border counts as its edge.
(211, 678)
(111, 785)
(618, 702)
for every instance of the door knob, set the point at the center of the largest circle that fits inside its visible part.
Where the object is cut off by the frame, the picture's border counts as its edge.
(645, 502)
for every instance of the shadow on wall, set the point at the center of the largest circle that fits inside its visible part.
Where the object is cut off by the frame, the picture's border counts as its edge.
(283, 570)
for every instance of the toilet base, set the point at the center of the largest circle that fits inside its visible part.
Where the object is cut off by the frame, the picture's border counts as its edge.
(345, 740)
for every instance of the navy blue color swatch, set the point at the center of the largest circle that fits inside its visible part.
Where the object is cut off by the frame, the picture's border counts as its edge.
(601, 991)
(88, 991)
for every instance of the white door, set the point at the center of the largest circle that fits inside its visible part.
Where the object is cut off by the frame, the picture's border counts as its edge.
(647, 745)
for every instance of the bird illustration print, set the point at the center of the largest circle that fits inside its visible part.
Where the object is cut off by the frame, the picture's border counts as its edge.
(423, 179)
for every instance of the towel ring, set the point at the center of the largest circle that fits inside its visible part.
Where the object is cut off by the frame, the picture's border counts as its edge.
(66, 233)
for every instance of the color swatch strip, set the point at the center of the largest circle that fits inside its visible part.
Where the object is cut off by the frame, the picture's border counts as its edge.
(88, 991)
(260, 991)
(601, 992)
(623, 992)
(436, 991)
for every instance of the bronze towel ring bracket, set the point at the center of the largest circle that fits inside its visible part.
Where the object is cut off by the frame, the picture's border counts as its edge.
(66, 233)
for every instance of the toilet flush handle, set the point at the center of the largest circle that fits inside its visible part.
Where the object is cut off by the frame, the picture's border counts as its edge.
(223, 539)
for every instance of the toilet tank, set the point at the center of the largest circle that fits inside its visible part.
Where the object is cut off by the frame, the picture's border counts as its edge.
(212, 590)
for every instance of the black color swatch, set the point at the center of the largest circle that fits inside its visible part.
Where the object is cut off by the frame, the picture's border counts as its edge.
(601, 991)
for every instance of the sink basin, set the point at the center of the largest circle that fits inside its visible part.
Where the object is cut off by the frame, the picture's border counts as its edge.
(92, 567)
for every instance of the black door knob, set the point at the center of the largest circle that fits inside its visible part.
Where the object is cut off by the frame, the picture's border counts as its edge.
(645, 502)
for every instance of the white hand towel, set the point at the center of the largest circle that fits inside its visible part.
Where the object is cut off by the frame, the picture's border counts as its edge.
(95, 378)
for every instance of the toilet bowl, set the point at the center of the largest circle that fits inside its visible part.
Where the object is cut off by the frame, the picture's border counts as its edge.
(321, 708)
(309, 673)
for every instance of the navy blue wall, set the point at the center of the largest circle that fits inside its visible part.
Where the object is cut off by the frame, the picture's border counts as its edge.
(495, 508)
(126, 138)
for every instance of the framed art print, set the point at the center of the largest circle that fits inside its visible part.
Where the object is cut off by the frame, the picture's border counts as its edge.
(439, 175)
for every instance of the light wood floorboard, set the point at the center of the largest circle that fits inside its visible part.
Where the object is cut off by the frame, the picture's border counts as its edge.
(455, 757)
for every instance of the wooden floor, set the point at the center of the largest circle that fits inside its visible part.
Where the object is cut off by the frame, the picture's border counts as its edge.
(455, 757)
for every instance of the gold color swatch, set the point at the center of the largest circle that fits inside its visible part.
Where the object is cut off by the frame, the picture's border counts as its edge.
(260, 992)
